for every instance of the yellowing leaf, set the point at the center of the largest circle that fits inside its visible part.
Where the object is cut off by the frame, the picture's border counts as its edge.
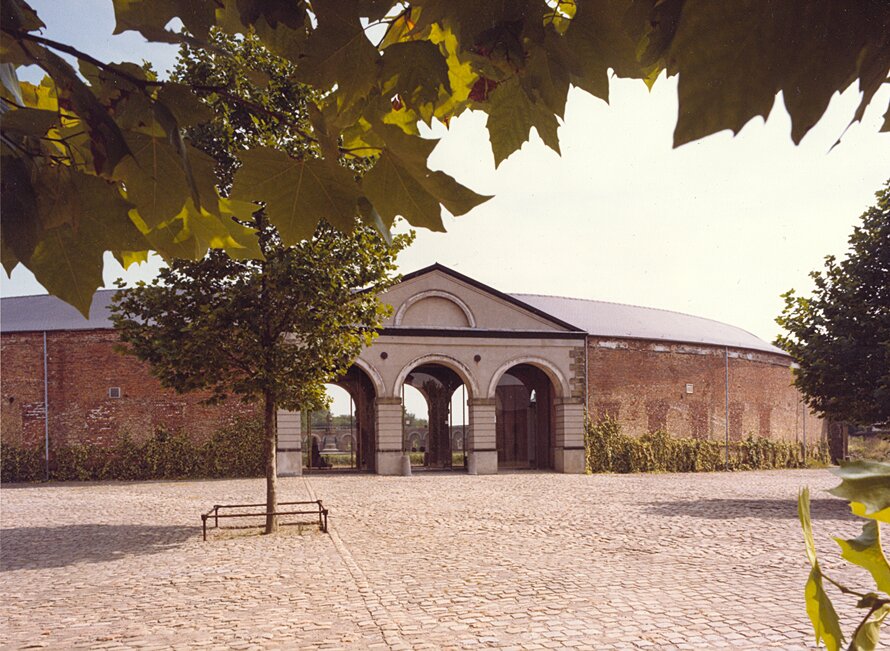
(297, 193)
(806, 523)
(866, 482)
(821, 612)
(868, 636)
(866, 552)
(859, 509)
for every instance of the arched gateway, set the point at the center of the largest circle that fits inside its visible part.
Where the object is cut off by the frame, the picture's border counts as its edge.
(522, 370)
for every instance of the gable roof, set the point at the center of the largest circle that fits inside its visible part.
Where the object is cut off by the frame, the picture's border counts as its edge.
(513, 299)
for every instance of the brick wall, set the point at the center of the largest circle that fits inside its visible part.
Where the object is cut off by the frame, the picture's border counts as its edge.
(643, 385)
(82, 366)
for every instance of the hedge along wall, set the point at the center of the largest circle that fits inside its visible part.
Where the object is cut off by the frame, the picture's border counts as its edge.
(232, 451)
(610, 450)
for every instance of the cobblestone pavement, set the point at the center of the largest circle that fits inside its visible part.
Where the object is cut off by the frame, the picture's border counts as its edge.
(521, 561)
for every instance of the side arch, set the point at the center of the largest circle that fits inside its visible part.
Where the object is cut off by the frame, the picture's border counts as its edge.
(548, 367)
(373, 375)
(450, 362)
(434, 293)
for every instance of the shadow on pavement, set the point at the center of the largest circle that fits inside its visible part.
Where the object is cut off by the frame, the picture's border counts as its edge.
(45, 547)
(722, 509)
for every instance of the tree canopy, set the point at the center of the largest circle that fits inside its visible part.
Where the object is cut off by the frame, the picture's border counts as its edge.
(95, 158)
(840, 336)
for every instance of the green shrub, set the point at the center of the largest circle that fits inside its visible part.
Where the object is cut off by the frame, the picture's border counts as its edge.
(232, 451)
(609, 450)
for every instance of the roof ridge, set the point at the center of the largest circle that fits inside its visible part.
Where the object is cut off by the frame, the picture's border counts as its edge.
(101, 290)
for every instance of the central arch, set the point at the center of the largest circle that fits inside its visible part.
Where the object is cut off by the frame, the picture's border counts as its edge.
(436, 444)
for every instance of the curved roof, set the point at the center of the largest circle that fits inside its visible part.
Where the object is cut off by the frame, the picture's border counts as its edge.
(604, 319)
(597, 318)
(44, 312)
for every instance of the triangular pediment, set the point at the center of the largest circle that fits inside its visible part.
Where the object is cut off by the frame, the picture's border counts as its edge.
(439, 298)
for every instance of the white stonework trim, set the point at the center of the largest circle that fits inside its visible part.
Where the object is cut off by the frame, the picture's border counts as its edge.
(371, 372)
(458, 367)
(555, 375)
(434, 293)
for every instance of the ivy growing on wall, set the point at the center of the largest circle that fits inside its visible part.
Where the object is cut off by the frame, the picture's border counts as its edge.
(232, 451)
(610, 450)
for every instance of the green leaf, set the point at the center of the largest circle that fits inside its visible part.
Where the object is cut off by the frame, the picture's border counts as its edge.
(547, 75)
(394, 191)
(416, 70)
(400, 183)
(68, 259)
(150, 17)
(184, 105)
(868, 635)
(339, 53)
(28, 121)
(156, 180)
(20, 223)
(866, 552)
(297, 193)
(511, 115)
(866, 482)
(600, 37)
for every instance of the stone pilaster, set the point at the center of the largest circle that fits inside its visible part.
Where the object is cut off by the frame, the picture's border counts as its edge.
(482, 453)
(568, 453)
(290, 444)
(389, 436)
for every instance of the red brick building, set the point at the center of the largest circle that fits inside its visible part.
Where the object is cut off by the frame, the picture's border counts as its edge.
(531, 367)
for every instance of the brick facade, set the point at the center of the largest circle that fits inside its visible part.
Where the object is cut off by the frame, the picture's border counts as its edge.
(643, 384)
(640, 383)
(82, 367)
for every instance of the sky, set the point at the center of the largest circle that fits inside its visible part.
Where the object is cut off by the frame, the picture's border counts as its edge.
(717, 228)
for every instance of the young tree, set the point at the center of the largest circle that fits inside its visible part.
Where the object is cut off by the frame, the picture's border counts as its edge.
(269, 322)
(378, 68)
(272, 330)
(840, 336)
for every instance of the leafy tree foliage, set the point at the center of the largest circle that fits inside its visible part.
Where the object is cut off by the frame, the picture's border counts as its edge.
(273, 322)
(111, 137)
(840, 336)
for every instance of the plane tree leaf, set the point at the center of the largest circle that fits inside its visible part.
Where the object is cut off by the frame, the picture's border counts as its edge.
(416, 71)
(28, 121)
(107, 140)
(820, 610)
(68, 258)
(400, 183)
(866, 552)
(338, 53)
(297, 193)
(868, 635)
(865, 482)
(150, 17)
(511, 115)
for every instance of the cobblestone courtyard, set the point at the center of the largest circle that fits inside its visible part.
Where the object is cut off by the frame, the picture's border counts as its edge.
(524, 561)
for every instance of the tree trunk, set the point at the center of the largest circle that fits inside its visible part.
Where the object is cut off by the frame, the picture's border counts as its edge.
(270, 429)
